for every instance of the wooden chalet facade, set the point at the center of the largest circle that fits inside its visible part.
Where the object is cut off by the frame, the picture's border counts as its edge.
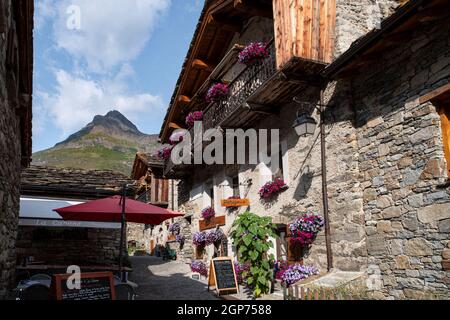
(384, 99)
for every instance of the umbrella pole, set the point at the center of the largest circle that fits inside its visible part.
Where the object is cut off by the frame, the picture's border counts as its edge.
(122, 236)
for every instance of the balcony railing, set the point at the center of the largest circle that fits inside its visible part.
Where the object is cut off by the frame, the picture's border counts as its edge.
(244, 85)
(241, 88)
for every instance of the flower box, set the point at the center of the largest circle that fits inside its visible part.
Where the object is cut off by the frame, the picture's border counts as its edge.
(254, 53)
(193, 117)
(217, 93)
(272, 188)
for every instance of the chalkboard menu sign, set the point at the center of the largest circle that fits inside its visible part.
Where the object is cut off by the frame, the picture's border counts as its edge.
(223, 276)
(94, 286)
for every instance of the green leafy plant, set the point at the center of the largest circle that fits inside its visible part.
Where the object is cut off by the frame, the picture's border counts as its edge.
(251, 238)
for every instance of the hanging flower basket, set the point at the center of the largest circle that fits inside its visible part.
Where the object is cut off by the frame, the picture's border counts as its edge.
(254, 53)
(296, 273)
(208, 213)
(199, 267)
(175, 228)
(272, 188)
(214, 237)
(164, 153)
(199, 239)
(304, 229)
(217, 93)
(193, 117)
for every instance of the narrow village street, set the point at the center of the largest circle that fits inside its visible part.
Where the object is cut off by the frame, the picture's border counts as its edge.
(166, 280)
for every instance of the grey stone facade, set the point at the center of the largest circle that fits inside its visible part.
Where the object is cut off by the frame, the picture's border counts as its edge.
(385, 162)
(12, 133)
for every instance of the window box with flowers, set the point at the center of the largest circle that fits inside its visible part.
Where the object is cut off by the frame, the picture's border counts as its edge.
(272, 188)
(208, 213)
(217, 93)
(297, 272)
(254, 53)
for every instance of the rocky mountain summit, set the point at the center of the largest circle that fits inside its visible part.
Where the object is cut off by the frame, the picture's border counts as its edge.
(109, 142)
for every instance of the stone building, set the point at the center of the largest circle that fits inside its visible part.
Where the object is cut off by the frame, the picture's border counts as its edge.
(42, 233)
(16, 73)
(152, 188)
(380, 80)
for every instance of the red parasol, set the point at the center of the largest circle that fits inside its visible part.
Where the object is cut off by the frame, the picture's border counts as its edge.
(118, 209)
(110, 210)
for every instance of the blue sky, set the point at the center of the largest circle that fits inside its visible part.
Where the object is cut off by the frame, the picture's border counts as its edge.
(92, 56)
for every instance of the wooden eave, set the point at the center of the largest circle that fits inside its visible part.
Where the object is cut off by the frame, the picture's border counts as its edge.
(394, 29)
(218, 24)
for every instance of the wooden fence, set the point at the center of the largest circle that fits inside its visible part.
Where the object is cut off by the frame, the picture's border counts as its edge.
(302, 293)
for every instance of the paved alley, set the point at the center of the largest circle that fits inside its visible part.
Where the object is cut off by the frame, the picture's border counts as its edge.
(166, 280)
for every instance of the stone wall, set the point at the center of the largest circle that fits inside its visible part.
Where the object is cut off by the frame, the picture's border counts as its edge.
(62, 246)
(10, 154)
(401, 160)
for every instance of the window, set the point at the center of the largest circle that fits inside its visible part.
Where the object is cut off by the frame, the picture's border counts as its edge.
(278, 174)
(444, 112)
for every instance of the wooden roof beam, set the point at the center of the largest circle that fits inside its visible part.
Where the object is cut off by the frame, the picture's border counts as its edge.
(200, 64)
(224, 24)
(184, 99)
(253, 8)
(173, 125)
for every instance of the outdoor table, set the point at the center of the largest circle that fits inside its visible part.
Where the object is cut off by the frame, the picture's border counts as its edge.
(39, 267)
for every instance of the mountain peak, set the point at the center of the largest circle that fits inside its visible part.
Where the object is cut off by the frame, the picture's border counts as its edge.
(114, 118)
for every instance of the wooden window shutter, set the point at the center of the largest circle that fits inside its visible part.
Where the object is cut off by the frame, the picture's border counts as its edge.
(444, 112)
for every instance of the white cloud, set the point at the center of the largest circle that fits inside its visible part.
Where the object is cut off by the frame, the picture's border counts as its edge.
(112, 31)
(77, 100)
(44, 10)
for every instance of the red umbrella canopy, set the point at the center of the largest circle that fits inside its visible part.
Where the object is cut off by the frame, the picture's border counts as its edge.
(110, 210)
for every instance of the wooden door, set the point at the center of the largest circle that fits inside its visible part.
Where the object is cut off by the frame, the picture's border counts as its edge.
(444, 112)
(152, 247)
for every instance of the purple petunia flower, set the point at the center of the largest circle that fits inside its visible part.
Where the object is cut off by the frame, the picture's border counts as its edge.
(296, 273)
(217, 93)
(253, 53)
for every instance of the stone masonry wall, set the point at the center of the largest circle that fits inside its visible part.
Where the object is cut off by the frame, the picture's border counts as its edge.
(402, 162)
(99, 247)
(10, 157)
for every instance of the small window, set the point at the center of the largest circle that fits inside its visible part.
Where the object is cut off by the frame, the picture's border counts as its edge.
(279, 174)
(235, 186)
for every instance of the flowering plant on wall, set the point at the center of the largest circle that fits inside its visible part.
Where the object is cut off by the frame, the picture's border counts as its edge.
(180, 239)
(304, 229)
(296, 273)
(280, 267)
(208, 213)
(214, 237)
(199, 267)
(253, 53)
(175, 228)
(217, 93)
(272, 188)
(199, 239)
(164, 153)
(240, 269)
(193, 117)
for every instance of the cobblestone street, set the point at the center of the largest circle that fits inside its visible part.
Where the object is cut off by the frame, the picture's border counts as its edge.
(166, 280)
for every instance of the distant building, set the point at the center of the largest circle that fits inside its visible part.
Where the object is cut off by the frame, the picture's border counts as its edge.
(152, 188)
(16, 89)
(378, 76)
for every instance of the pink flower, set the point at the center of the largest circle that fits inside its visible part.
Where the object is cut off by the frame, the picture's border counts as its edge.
(217, 93)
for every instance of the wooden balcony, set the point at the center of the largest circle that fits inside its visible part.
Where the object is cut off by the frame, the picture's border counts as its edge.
(257, 91)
